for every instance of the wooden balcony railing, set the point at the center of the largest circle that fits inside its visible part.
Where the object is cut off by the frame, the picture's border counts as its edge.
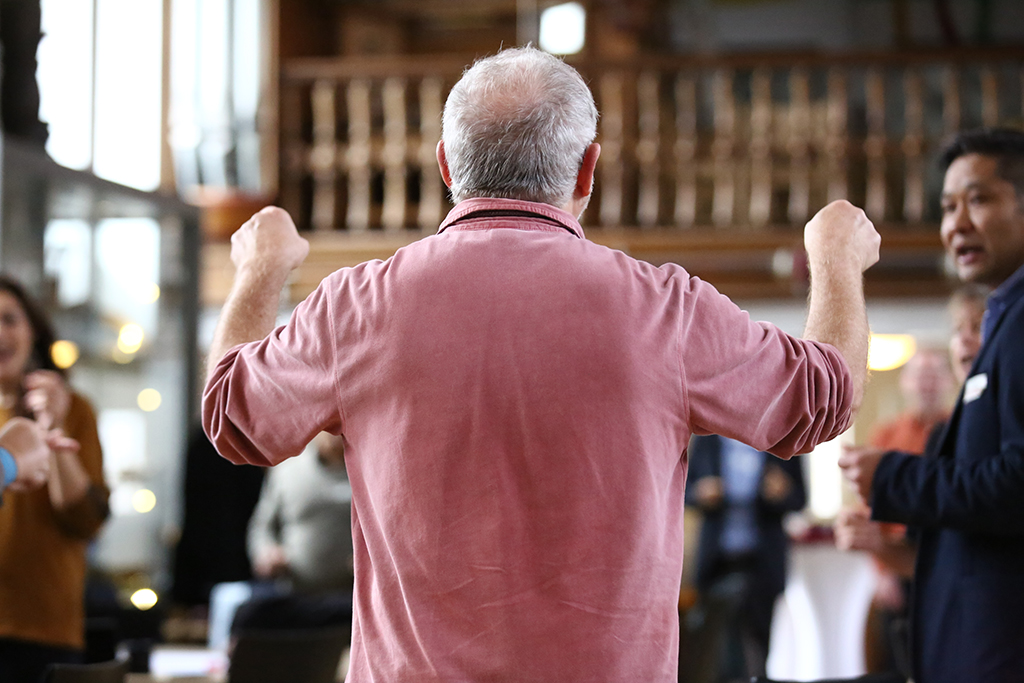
(734, 151)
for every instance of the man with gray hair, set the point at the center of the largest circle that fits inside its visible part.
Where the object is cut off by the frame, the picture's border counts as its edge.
(516, 400)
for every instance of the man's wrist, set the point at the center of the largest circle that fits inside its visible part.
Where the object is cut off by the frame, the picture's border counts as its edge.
(826, 269)
(262, 274)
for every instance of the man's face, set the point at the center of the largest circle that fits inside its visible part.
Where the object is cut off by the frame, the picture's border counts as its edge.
(926, 382)
(982, 221)
(966, 340)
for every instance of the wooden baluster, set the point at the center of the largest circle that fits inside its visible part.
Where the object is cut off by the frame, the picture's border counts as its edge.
(358, 155)
(723, 148)
(761, 140)
(394, 153)
(647, 148)
(612, 129)
(836, 123)
(913, 148)
(799, 146)
(989, 97)
(874, 145)
(686, 150)
(951, 101)
(431, 103)
(295, 157)
(323, 156)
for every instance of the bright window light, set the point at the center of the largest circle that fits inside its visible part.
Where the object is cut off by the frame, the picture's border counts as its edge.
(563, 28)
(67, 258)
(825, 479)
(127, 266)
(103, 116)
(128, 91)
(890, 351)
(65, 80)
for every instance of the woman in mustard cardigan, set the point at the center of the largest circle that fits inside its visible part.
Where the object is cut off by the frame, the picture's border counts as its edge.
(44, 533)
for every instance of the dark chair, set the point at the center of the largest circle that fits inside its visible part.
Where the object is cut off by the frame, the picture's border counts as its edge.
(294, 655)
(706, 628)
(113, 671)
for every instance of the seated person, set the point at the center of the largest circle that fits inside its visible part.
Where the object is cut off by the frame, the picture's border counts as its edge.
(301, 531)
(300, 538)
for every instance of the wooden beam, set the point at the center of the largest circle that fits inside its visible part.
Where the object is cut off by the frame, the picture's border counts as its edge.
(742, 264)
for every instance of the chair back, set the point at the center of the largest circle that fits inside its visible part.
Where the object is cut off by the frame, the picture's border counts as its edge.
(704, 633)
(113, 671)
(296, 656)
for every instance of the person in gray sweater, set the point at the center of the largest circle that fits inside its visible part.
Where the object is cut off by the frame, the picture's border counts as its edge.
(301, 531)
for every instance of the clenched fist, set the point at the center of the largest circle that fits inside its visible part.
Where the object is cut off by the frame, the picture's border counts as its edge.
(269, 243)
(841, 234)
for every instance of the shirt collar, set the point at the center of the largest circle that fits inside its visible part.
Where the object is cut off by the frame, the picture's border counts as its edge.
(485, 208)
(999, 300)
(1011, 289)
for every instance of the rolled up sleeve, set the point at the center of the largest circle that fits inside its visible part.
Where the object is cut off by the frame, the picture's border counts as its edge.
(752, 382)
(267, 399)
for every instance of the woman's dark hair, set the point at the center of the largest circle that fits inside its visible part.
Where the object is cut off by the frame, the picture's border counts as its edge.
(43, 334)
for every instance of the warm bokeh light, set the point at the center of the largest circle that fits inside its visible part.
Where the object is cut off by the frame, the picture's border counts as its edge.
(143, 501)
(890, 351)
(149, 400)
(64, 353)
(129, 339)
(151, 293)
(121, 358)
(144, 598)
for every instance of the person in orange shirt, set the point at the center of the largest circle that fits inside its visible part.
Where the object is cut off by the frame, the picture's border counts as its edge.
(44, 532)
(926, 384)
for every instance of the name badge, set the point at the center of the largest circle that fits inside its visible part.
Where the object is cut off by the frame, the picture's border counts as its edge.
(975, 387)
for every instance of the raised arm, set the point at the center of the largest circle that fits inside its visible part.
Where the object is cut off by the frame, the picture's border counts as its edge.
(269, 391)
(841, 244)
(265, 250)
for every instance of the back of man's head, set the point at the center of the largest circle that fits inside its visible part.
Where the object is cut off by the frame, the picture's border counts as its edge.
(1006, 145)
(516, 126)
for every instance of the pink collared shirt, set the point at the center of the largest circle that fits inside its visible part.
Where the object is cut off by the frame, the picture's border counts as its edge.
(517, 403)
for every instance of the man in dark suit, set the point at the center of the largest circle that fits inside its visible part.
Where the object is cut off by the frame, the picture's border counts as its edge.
(744, 494)
(969, 500)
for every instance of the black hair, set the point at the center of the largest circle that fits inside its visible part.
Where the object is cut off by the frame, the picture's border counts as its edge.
(1006, 145)
(43, 334)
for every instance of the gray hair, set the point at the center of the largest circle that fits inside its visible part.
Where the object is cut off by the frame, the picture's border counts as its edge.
(516, 126)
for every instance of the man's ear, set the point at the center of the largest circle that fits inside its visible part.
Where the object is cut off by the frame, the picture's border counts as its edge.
(585, 179)
(442, 163)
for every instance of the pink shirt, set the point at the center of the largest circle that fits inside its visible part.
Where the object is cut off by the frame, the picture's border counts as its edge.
(517, 403)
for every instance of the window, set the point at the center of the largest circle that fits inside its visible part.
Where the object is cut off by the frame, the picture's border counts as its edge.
(100, 82)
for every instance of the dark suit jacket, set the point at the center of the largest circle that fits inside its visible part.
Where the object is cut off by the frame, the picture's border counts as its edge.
(705, 460)
(968, 622)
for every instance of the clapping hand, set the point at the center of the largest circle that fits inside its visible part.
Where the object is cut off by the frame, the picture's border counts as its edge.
(48, 398)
